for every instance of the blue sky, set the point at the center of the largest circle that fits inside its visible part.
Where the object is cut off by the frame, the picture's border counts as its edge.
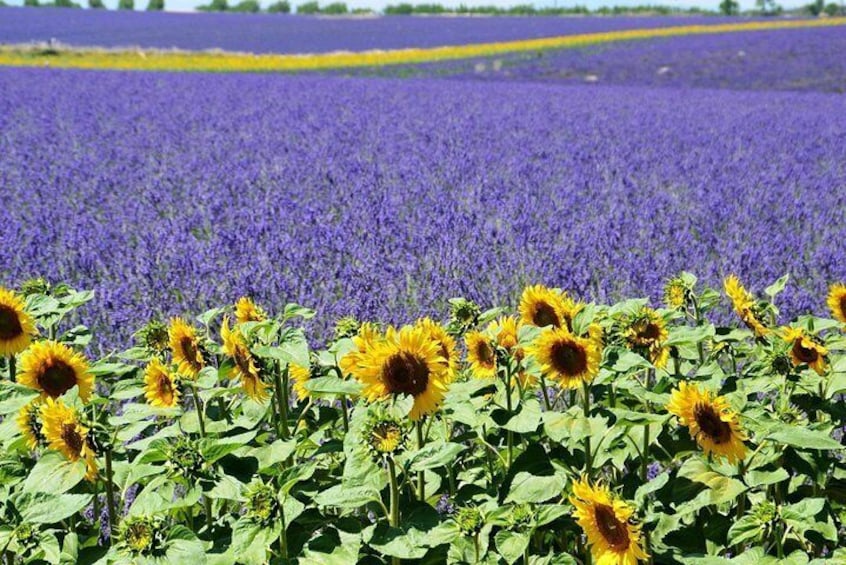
(188, 5)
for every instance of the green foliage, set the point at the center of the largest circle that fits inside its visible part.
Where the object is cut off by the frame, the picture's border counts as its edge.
(96, 5)
(155, 5)
(308, 8)
(31, 3)
(335, 8)
(214, 6)
(314, 472)
(280, 7)
(248, 6)
(126, 4)
(729, 7)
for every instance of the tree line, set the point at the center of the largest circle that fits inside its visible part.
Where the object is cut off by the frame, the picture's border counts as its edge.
(726, 7)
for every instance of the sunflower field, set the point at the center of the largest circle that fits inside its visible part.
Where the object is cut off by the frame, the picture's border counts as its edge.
(559, 433)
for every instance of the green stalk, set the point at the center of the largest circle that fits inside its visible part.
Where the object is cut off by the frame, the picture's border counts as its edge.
(586, 405)
(281, 403)
(476, 545)
(393, 519)
(421, 480)
(208, 510)
(199, 407)
(345, 414)
(644, 460)
(110, 494)
(545, 393)
(698, 317)
(12, 368)
(509, 433)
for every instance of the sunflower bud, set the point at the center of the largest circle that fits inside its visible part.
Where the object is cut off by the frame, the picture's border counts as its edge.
(153, 337)
(384, 436)
(141, 535)
(262, 506)
(464, 314)
(346, 327)
(469, 520)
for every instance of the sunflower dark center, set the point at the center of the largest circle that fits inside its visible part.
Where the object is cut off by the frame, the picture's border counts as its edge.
(569, 358)
(405, 373)
(10, 324)
(242, 359)
(614, 531)
(72, 439)
(165, 387)
(843, 305)
(711, 424)
(804, 354)
(650, 332)
(190, 351)
(57, 378)
(485, 353)
(545, 316)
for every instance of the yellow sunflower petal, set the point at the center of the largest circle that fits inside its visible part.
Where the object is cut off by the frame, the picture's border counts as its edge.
(53, 369)
(16, 326)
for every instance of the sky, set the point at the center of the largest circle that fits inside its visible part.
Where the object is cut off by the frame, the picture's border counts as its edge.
(188, 5)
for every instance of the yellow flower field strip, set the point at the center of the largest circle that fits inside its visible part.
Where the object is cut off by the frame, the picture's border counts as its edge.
(163, 60)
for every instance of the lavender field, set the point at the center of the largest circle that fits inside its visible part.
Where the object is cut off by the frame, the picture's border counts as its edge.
(273, 33)
(798, 59)
(383, 198)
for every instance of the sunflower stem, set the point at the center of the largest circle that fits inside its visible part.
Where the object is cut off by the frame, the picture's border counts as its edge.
(198, 406)
(12, 368)
(545, 393)
(345, 414)
(421, 480)
(280, 380)
(586, 405)
(208, 510)
(697, 315)
(476, 545)
(509, 433)
(110, 494)
(644, 460)
(393, 518)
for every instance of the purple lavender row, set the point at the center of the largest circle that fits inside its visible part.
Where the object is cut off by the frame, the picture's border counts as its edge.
(273, 33)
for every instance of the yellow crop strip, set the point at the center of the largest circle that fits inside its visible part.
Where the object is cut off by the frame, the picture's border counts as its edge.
(163, 60)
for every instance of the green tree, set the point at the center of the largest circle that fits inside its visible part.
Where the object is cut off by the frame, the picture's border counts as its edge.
(31, 3)
(126, 4)
(308, 8)
(729, 7)
(335, 8)
(250, 6)
(214, 6)
(280, 7)
(156, 5)
(96, 5)
(832, 9)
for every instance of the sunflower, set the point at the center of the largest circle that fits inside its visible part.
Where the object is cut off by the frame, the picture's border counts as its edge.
(712, 422)
(541, 306)
(16, 326)
(366, 340)
(385, 436)
(235, 346)
(248, 311)
(505, 330)
(837, 301)
(29, 423)
(567, 358)
(481, 355)
(66, 435)
(805, 351)
(160, 387)
(300, 376)
(54, 368)
(605, 519)
(446, 344)
(406, 362)
(676, 294)
(744, 305)
(185, 348)
(647, 333)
